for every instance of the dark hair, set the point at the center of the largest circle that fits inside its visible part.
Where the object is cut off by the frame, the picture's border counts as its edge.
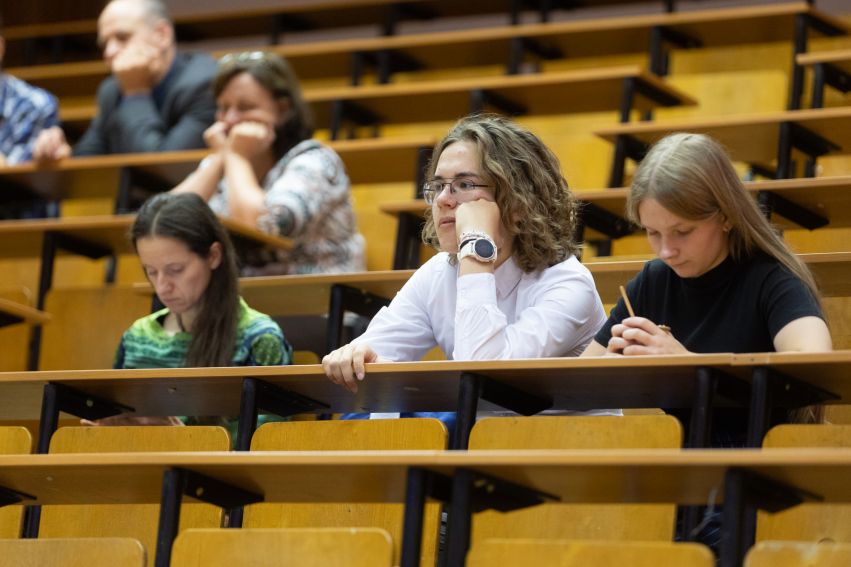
(276, 76)
(187, 218)
(535, 204)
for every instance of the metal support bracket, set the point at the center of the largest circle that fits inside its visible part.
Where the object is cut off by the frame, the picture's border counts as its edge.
(479, 98)
(85, 406)
(406, 254)
(606, 222)
(770, 389)
(9, 496)
(743, 491)
(348, 111)
(522, 45)
(345, 298)
(774, 203)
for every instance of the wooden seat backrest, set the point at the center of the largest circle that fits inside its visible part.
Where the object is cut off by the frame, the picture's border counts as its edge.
(809, 521)
(349, 435)
(129, 520)
(798, 554)
(13, 441)
(305, 547)
(577, 521)
(98, 316)
(72, 552)
(575, 553)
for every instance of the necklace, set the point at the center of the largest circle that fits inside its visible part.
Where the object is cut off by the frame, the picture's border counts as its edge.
(180, 323)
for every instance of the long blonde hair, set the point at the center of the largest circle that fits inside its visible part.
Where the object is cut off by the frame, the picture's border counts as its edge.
(692, 176)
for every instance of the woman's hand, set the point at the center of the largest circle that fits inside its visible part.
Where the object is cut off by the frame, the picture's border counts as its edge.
(250, 139)
(216, 136)
(346, 365)
(635, 336)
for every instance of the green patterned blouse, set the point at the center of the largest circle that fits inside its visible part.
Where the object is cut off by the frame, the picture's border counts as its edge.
(259, 342)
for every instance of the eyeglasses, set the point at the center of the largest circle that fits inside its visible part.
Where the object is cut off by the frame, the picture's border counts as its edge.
(433, 188)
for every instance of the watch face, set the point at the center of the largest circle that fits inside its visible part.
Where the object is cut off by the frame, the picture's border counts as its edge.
(484, 249)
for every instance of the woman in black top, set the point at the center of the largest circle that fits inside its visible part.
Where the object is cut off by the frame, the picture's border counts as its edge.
(724, 280)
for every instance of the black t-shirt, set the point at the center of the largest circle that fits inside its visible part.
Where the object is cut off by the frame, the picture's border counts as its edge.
(735, 307)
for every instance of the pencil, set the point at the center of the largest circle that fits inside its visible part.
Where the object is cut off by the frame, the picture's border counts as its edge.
(626, 301)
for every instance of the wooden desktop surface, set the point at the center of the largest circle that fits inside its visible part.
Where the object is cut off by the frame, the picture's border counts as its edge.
(840, 58)
(25, 312)
(24, 238)
(586, 476)
(572, 383)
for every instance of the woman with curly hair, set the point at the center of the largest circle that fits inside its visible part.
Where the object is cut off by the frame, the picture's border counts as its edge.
(506, 283)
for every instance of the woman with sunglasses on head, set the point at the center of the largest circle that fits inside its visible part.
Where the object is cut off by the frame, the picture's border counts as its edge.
(267, 171)
(506, 283)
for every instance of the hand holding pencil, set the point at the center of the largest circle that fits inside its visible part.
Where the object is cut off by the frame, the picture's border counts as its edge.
(638, 335)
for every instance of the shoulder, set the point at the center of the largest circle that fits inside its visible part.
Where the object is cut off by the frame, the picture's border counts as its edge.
(35, 96)
(195, 67)
(313, 153)
(253, 323)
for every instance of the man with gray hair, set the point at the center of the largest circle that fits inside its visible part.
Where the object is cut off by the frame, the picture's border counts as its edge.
(156, 98)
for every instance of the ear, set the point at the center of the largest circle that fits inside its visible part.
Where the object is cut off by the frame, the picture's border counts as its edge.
(214, 258)
(164, 32)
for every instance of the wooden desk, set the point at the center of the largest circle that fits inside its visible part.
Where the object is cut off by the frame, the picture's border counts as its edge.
(367, 161)
(829, 68)
(752, 138)
(589, 476)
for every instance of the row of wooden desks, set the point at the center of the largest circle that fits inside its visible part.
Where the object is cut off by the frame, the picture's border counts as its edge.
(479, 480)
(507, 45)
(370, 160)
(622, 88)
(701, 382)
(810, 203)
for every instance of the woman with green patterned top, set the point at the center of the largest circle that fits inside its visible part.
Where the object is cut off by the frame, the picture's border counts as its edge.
(188, 258)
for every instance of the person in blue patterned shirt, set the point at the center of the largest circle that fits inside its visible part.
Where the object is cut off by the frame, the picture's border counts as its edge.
(25, 111)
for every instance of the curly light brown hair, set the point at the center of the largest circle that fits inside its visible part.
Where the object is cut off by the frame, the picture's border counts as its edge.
(536, 206)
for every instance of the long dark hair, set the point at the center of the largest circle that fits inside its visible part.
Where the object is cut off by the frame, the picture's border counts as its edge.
(274, 74)
(187, 218)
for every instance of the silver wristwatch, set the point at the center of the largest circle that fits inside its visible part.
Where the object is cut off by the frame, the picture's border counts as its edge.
(478, 245)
